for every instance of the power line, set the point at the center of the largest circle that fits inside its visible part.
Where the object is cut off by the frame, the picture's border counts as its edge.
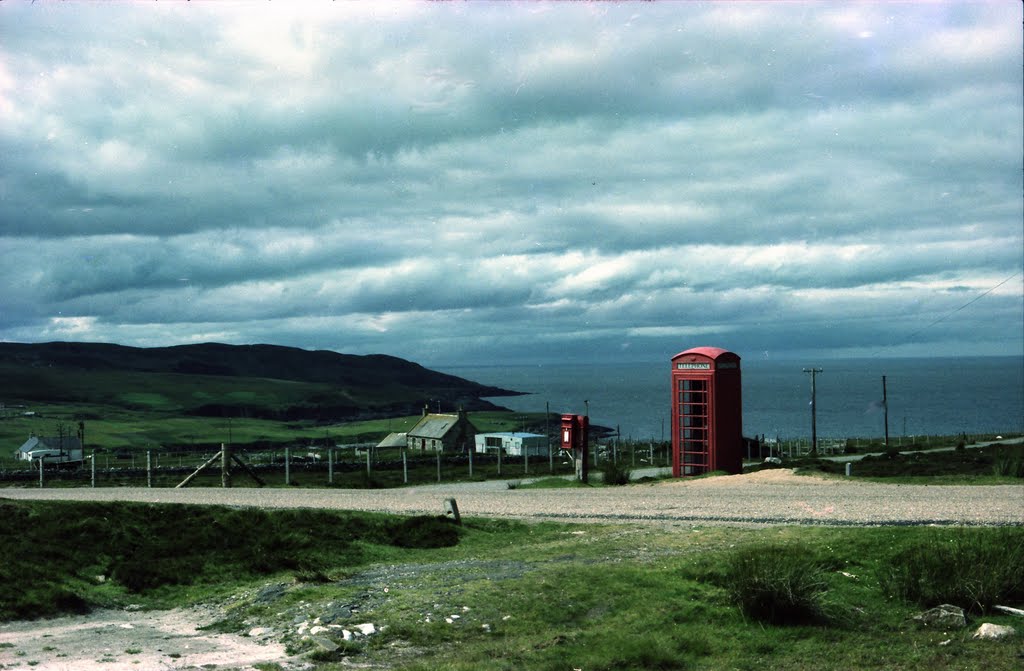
(953, 312)
(970, 302)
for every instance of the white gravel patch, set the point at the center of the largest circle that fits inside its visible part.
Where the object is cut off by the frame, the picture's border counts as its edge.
(763, 498)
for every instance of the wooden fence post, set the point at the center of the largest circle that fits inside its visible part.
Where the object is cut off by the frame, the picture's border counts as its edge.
(225, 465)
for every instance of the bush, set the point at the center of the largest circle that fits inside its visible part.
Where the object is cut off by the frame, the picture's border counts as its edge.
(615, 474)
(778, 584)
(1008, 462)
(971, 568)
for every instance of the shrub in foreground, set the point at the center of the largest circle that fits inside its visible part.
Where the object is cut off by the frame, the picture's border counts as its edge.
(615, 474)
(778, 584)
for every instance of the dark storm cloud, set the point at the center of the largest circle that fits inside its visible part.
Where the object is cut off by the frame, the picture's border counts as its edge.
(462, 182)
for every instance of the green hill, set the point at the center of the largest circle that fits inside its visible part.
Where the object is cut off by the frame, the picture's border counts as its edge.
(213, 379)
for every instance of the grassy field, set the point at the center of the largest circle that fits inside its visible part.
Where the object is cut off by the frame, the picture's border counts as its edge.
(508, 595)
(111, 429)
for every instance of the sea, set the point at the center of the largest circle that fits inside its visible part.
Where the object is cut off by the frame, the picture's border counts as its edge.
(940, 396)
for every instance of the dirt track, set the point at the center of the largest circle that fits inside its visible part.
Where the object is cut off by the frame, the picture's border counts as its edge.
(114, 640)
(763, 498)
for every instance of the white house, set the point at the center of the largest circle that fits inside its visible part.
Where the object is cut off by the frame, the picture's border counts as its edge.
(441, 433)
(53, 450)
(513, 443)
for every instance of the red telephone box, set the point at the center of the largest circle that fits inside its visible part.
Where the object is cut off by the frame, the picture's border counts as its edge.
(707, 413)
(576, 441)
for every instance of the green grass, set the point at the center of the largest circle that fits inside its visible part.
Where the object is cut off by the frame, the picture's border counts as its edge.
(527, 596)
(115, 429)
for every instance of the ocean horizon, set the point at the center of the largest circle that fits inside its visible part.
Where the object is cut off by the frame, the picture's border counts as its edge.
(925, 396)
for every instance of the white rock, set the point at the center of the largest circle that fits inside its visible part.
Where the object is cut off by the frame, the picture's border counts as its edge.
(367, 628)
(256, 632)
(346, 634)
(992, 632)
(318, 629)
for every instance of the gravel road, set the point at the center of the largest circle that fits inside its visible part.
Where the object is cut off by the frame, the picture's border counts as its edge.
(763, 498)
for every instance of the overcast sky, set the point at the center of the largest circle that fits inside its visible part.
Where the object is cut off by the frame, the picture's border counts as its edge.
(515, 182)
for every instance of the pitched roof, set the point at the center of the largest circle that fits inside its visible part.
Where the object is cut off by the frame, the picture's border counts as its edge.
(50, 443)
(393, 440)
(434, 426)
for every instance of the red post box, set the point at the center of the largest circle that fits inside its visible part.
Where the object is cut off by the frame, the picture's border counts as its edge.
(576, 441)
(707, 412)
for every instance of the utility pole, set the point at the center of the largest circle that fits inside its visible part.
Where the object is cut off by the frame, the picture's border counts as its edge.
(586, 404)
(814, 409)
(885, 408)
(547, 434)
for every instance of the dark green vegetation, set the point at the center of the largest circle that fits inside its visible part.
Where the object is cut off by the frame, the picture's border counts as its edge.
(972, 572)
(214, 380)
(66, 557)
(778, 584)
(529, 596)
(615, 473)
(991, 463)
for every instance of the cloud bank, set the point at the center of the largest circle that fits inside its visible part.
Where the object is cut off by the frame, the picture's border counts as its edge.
(516, 181)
